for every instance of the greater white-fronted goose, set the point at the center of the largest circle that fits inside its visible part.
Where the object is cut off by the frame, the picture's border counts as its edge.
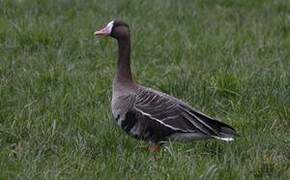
(151, 115)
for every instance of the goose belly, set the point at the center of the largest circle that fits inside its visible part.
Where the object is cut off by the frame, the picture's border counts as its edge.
(121, 104)
(128, 122)
(118, 114)
(125, 118)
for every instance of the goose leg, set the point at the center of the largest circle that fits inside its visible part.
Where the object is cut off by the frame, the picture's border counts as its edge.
(153, 147)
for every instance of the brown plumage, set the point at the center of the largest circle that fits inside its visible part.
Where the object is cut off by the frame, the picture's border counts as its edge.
(151, 115)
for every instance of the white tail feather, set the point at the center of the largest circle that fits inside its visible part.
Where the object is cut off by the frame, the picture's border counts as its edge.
(224, 138)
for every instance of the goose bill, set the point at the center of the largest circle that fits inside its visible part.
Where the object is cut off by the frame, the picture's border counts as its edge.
(106, 31)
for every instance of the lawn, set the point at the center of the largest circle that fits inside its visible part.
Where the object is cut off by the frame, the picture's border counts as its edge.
(227, 58)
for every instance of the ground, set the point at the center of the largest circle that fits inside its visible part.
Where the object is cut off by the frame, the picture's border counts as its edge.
(229, 59)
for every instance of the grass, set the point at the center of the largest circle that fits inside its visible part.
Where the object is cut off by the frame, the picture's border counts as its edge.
(228, 58)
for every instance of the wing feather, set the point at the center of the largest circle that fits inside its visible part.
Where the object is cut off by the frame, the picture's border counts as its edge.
(199, 121)
(159, 121)
(172, 113)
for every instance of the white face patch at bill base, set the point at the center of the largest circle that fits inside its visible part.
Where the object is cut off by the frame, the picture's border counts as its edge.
(110, 26)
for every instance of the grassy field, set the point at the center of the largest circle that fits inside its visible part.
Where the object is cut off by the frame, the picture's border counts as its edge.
(228, 58)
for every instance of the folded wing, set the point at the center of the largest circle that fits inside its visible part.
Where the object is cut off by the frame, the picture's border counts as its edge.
(177, 117)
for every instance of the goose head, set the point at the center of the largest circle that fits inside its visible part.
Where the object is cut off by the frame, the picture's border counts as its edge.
(115, 29)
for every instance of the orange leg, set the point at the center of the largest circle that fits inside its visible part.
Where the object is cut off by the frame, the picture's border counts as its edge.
(153, 148)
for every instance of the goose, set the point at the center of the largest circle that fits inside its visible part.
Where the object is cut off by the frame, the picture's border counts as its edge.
(149, 115)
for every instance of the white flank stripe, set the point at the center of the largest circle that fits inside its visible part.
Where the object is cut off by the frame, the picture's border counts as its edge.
(171, 127)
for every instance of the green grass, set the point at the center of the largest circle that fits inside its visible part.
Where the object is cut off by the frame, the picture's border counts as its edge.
(228, 58)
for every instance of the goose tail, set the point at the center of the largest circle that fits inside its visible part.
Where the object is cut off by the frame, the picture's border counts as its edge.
(224, 131)
(211, 127)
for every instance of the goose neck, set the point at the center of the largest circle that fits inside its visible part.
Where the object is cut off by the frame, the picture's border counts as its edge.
(124, 69)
